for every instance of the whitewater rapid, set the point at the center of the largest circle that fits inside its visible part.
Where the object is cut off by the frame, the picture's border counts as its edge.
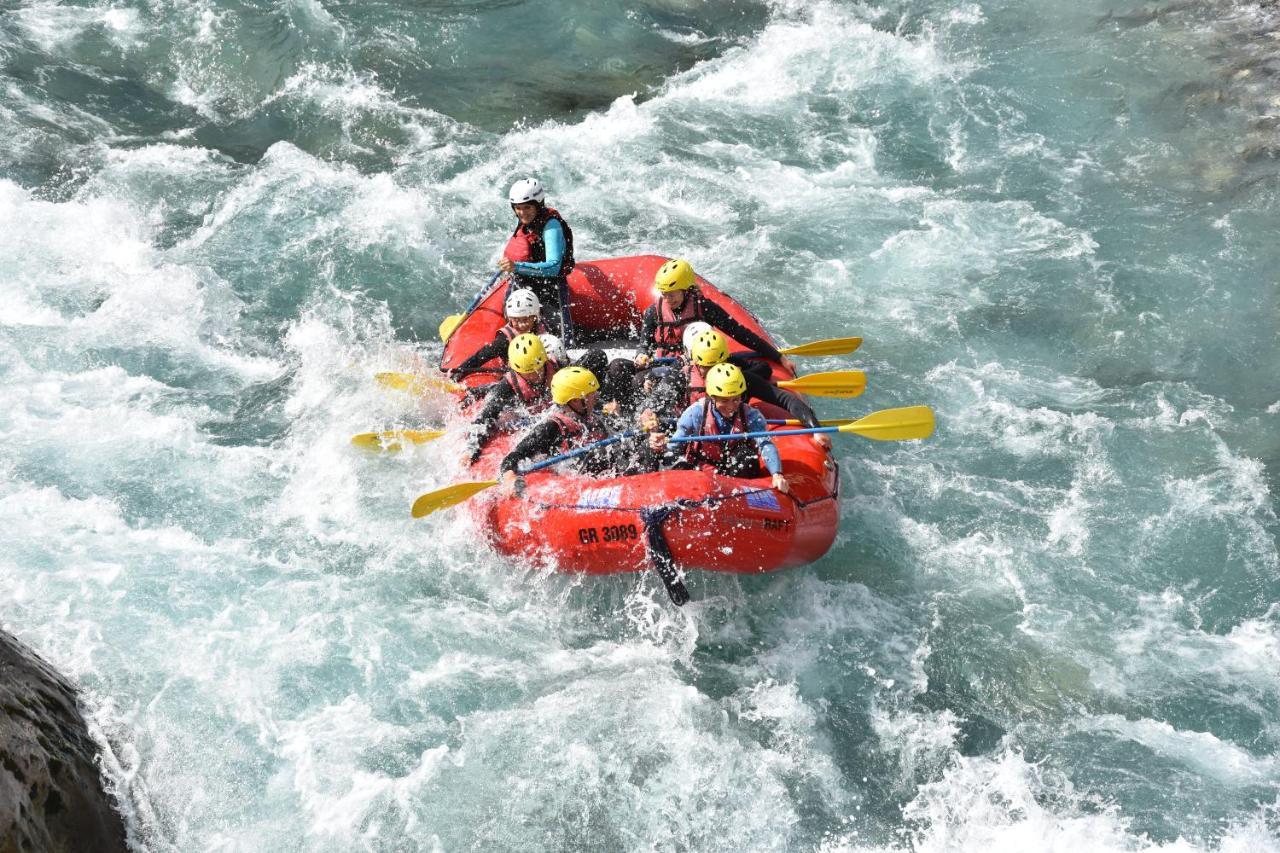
(1054, 626)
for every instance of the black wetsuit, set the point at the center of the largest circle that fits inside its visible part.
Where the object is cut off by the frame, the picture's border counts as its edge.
(547, 438)
(501, 397)
(719, 318)
(670, 397)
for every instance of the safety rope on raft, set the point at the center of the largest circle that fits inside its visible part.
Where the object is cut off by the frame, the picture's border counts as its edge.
(660, 556)
(690, 503)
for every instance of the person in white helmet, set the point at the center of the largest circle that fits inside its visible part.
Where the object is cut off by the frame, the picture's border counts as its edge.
(539, 254)
(555, 350)
(615, 376)
(522, 310)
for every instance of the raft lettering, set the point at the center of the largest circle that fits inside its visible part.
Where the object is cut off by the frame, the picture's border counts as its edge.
(609, 533)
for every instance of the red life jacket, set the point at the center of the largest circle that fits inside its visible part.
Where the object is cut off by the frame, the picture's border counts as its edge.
(575, 432)
(526, 246)
(695, 385)
(509, 332)
(710, 452)
(536, 398)
(669, 331)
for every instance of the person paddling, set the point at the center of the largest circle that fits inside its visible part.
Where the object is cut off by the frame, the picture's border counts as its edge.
(725, 412)
(524, 390)
(539, 254)
(521, 309)
(678, 389)
(570, 424)
(679, 303)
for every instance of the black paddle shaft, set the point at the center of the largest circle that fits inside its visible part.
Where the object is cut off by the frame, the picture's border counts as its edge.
(660, 553)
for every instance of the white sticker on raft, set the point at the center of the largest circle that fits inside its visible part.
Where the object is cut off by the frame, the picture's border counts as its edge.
(610, 496)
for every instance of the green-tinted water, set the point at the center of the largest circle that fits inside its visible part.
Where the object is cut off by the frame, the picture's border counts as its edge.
(1053, 626)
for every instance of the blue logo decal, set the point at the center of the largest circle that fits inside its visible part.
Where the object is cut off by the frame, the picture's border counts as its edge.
(765, 499)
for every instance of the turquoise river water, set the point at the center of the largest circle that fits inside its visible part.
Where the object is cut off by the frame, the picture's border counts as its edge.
(1053, 626)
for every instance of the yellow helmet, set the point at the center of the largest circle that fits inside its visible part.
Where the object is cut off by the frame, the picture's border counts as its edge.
(674, 275)
(526, 354)
(726, 380)
(709, 349)
(573, 383)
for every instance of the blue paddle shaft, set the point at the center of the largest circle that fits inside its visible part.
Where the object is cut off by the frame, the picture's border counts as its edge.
(604, 442)
(481, 294)
(613, 439)
(734, 436)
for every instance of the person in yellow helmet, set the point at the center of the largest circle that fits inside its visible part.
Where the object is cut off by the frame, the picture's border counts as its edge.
(572, 422)
(686, 384)
(679, 303)
(724, 411)
(525, 389)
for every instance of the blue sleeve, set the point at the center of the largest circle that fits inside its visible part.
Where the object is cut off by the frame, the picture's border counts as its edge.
(553, 240)
(768, 453)
(690, 421)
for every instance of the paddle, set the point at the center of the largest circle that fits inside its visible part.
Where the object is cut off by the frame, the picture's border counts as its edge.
(831, 346)
(836, 383)
(395, 439)
(459, 492)
(904, 424)
(415, 384)
(842, 384)
(450, 323)
(794, 422)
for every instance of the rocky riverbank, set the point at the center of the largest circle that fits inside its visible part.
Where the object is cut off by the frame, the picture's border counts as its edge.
(51, 793)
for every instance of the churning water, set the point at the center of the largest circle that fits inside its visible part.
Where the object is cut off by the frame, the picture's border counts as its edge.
(1054, 626)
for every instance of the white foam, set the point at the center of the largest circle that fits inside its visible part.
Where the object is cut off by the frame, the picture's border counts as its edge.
(1000, 804)
(1202, 752)
(54, 26)
(981, 236)
(88, 267)
(812, 47)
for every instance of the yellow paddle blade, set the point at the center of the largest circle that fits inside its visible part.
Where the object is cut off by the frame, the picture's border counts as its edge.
(894, 424)
(394, 439)
(836, 383)
(415, 384)
(448, 496)
(449, 324)
(831, 346)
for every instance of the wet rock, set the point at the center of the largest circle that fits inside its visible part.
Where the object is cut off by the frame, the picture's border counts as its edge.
(51, 794)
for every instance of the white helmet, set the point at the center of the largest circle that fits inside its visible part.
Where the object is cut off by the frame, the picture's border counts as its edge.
(523, 303)
(692, 330)
(526, 190)
(555, 349)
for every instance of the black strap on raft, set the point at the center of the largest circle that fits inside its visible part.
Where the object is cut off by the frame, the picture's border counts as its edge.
(659, 552)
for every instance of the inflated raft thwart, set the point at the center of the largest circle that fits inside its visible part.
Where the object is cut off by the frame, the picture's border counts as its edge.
(690, 519)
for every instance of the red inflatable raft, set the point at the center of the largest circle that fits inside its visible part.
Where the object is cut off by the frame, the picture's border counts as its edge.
(694, 519)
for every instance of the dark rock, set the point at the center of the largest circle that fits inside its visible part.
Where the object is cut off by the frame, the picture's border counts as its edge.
(51, 794)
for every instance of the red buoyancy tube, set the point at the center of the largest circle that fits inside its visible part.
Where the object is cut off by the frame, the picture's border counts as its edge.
(670, 327)
(526, 246)
(536, 398)
(574, 432)
(710, 452)
(695, 385)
